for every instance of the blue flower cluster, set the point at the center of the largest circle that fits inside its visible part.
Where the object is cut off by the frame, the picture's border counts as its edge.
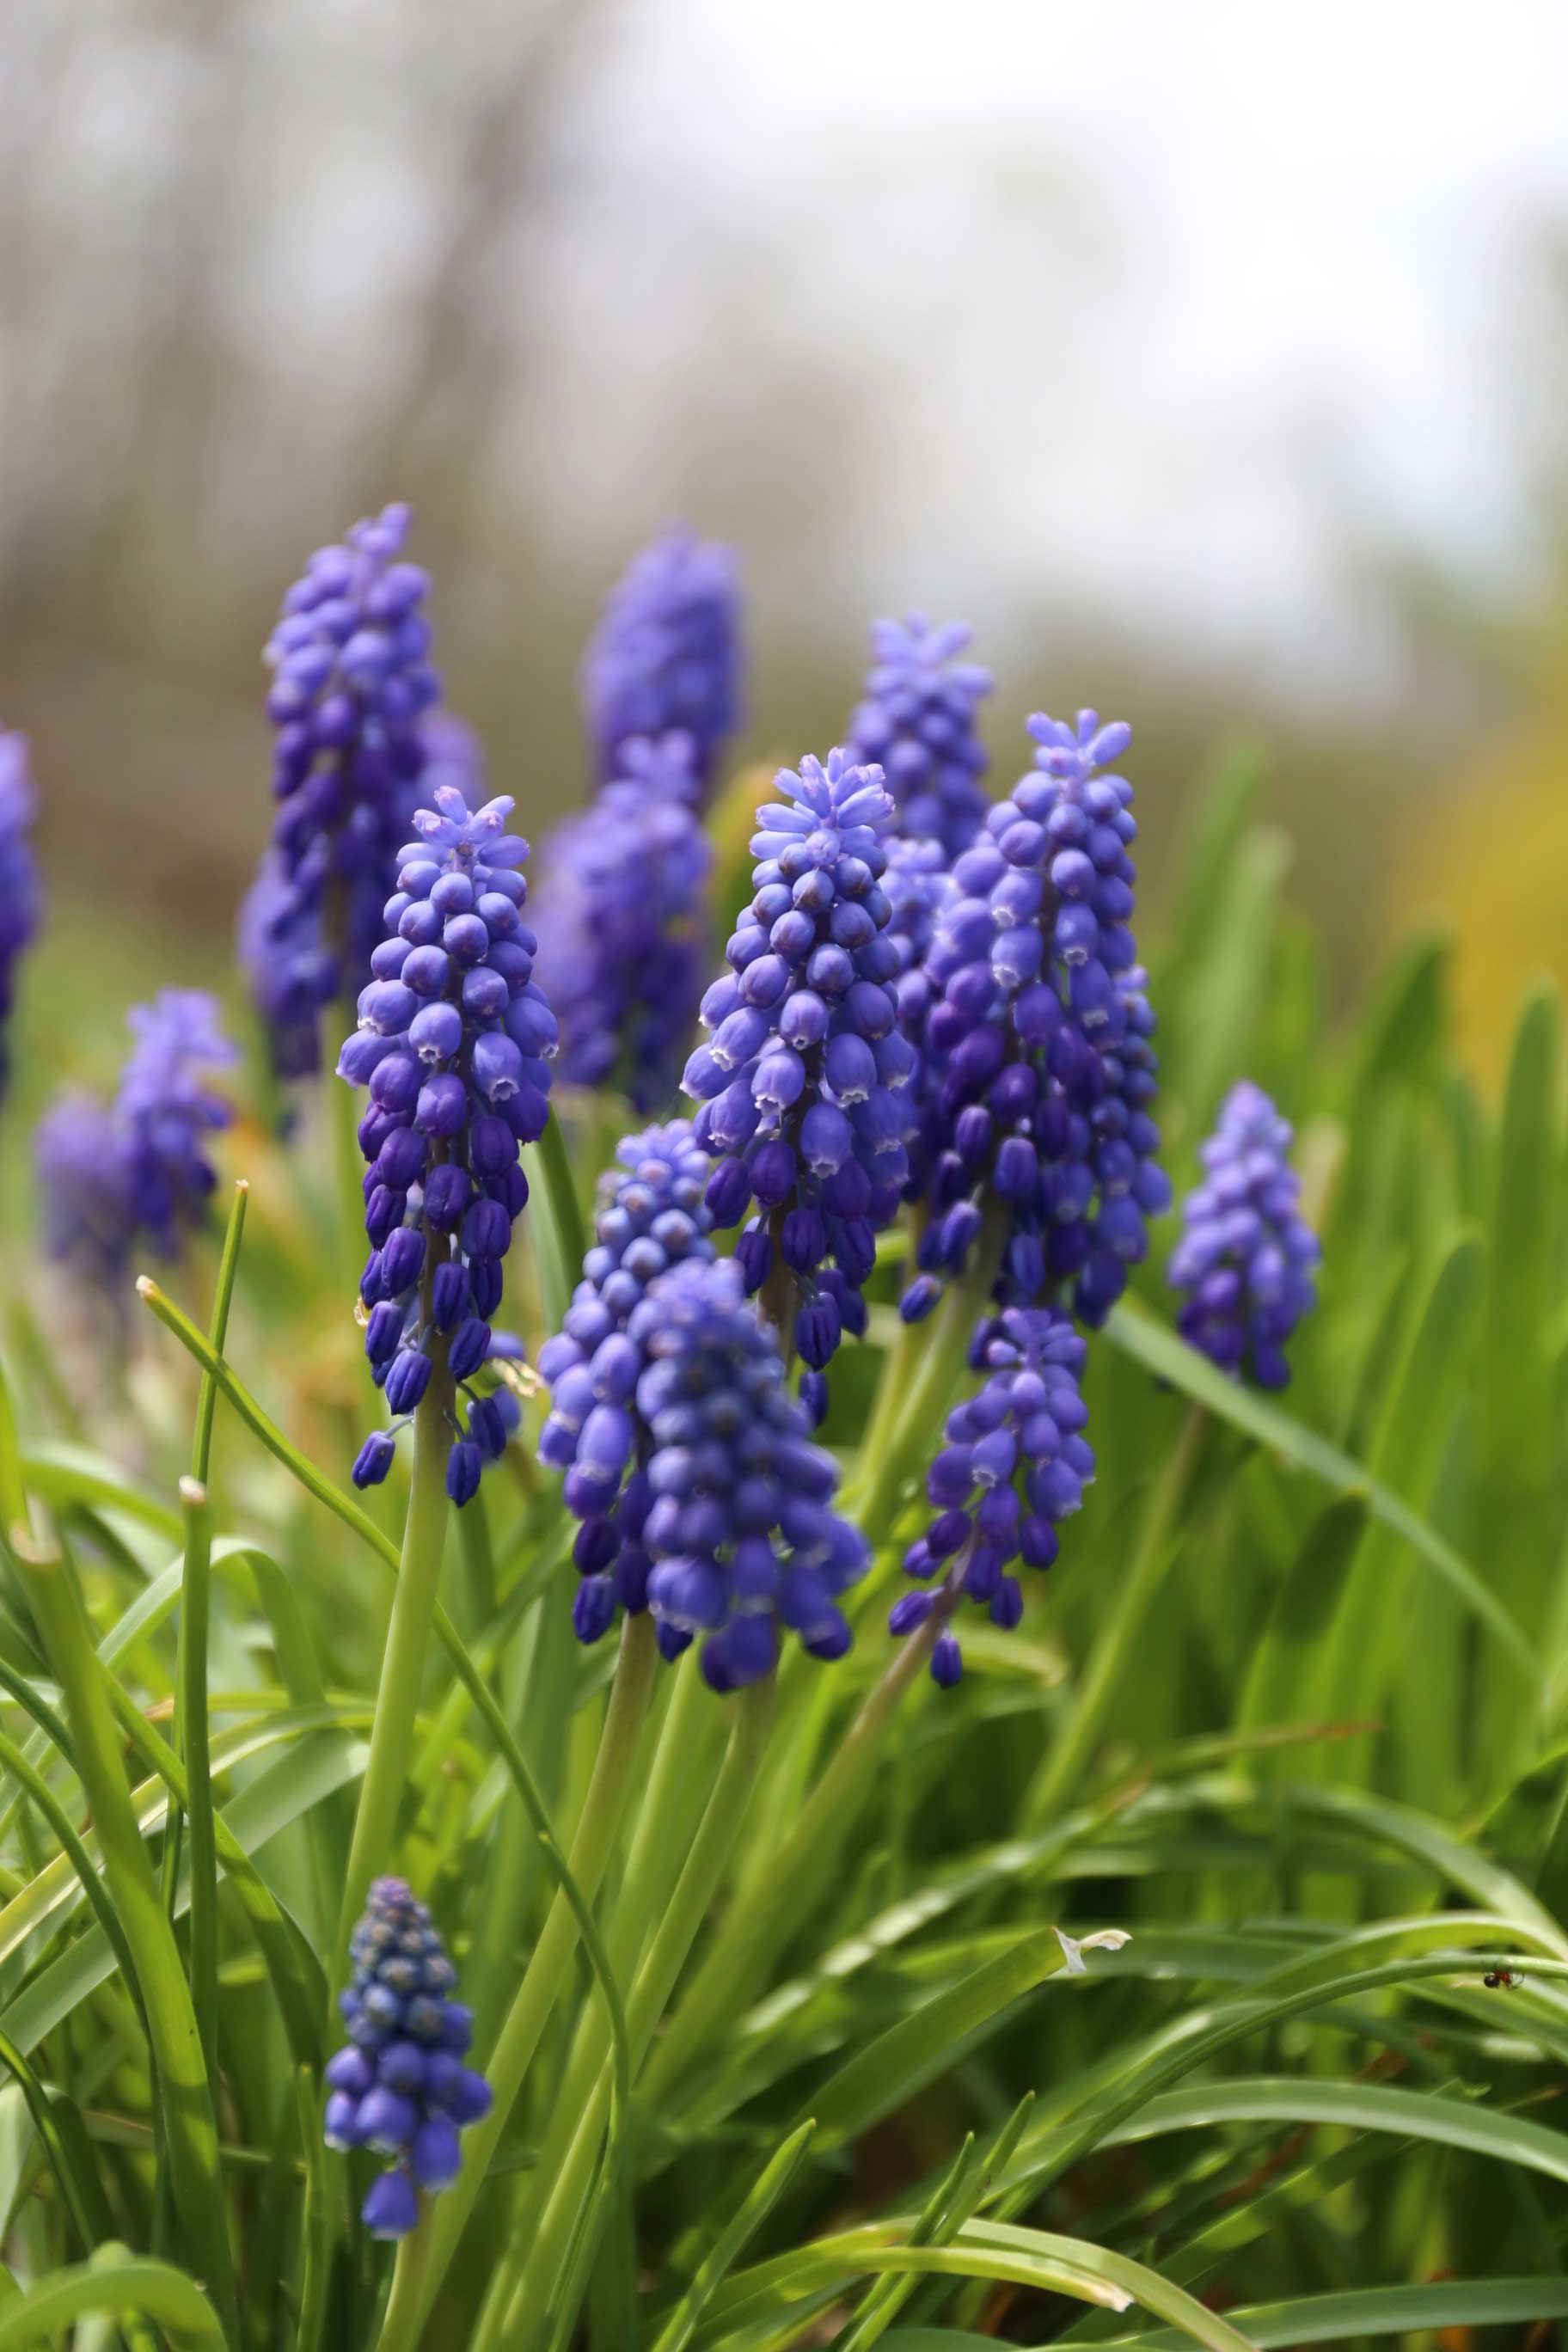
(138, 1171)
(1041, 1070)
(1246, 1257)
(19, 891)
(1014, 1467)
(918, 884)
(917, 723)
(666, 654)
(400, 2086)
(454, 1040)
(352, 687)
(804, 1081)
(725, 1527)
(648, 1218)
(622, 922)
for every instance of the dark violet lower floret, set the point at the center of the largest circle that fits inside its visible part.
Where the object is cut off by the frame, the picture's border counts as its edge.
(622, 923)
(916, 723)
(454, 1041)
(700, 1494)
(666, 654)
(399, 2086)
(1039, 1075)
(1014, 1465)
(1246, 1257)
(805, 1080)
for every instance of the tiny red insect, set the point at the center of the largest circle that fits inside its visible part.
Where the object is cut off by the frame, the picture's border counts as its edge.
(1505, 1979)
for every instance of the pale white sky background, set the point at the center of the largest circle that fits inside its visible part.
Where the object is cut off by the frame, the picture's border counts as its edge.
(1160, 294)
(1159, 312)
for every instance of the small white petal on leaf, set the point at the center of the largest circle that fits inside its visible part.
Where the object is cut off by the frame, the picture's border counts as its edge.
(1104, 1939)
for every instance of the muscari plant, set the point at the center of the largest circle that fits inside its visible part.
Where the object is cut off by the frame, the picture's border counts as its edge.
(638, 1849)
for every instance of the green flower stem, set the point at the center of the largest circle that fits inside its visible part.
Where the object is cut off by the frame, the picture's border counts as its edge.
(751, 1932)
(185, 2090)
(916, 1391)
(192, 1742)
(190, 1733)
(1108, 1659)
(698, 1884)
(544, 1979)
(663, 1834)
(555, 1225)
(408, 1649)
(189, 1672)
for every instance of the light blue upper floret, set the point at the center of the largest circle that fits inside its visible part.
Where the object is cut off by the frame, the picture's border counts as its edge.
(1041, 1070)
(736, 1536)
(805, 1082)
(400, 2086)
(20, 894)
(1015, 1465)
(622, 921)
(666, 653)
(1245, 1255)
(916, 721)
(454, 1041)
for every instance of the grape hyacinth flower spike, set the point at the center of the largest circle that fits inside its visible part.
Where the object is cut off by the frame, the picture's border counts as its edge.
(916, 723)
(138, 1172)
(351, 690)
(1041, 1073)
(1015, 1465)
(1246, 1257)
(700, 1494)
(20, 894)
(666, 654)
(805, 1079)
(622, 923)
(649, 1216)
(453, 1042)
(399, 2086)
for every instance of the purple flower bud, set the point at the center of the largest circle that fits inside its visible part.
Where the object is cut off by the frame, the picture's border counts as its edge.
(407, 1381)
(728, 1192)
(946, 1660)
(391, 2207)
(468, 1347)
(402, 1260)
(909, 1612)
(464, 1463)
(374, 1459)
(447, 1192)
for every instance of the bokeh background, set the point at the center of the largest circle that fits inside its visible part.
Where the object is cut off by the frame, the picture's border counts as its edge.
(1209, 357)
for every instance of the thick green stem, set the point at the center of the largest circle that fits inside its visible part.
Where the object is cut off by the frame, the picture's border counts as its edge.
(1108, 1659)
(544, 1979)
(726, 1979)
(664, 1833)
(923, 1373)
(185, 2090)
(408, 1650)
(698, 1884)
(195, 1599)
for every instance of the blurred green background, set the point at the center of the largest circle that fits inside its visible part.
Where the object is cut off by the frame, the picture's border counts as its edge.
(1208, 359)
